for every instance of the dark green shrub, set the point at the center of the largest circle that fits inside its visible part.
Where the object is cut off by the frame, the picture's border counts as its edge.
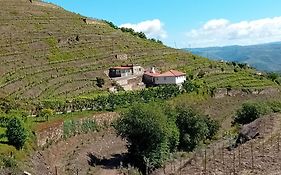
(100, 82)
(189, 87)
(250, 112)
(16, 133)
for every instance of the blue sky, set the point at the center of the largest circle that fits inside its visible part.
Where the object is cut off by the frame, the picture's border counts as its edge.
(190, 23)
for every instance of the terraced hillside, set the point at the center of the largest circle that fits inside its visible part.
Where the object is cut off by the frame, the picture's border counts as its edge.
(47, 52)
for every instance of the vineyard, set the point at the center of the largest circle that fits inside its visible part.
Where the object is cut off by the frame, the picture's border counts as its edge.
(47, 52)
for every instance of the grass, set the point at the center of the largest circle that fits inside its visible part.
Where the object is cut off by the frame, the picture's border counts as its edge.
(39, 124)
(2, 135)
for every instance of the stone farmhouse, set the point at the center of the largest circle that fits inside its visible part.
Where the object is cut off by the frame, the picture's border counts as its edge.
(124, 71)
(133, 77)
(153, 77)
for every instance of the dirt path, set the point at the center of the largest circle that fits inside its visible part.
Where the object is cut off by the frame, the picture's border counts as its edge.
(95, 153)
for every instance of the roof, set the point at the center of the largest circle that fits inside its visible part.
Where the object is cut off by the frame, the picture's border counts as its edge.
(170, 73)
(156, 74)
(121, 67)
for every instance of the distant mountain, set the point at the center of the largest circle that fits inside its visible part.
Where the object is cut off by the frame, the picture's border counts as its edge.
(265, 57)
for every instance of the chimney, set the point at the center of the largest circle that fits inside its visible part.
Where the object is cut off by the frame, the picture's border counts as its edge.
(153, 70)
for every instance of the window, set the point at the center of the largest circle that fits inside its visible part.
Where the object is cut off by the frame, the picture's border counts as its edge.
(164, 78)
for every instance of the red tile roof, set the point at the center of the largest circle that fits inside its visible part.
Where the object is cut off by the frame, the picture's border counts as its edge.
(121, 67)
(156, 74)
(170, 73)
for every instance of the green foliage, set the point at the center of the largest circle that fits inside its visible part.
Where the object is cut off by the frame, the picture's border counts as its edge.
(89, 125)
(7, 104)
(273, 76)
(189, 87)
(100, 82)
(73, 127)
(8, 162)
(69, 128)
(131, 31)
(193, 128)
(150, 132)
(213, 127)
(154, 131)
(250, 112)
(16, 133)
(111, 24)
(242, 65)
(201, 74)
(46, 113)
(275, 106)
(113, 101)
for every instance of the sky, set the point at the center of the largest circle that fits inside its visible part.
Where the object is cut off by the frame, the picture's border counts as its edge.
(189, 23)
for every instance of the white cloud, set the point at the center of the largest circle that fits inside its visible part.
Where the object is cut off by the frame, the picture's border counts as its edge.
(218, 32)
(152, 28)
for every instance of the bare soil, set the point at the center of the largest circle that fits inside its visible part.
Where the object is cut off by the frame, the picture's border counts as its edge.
(95, 153)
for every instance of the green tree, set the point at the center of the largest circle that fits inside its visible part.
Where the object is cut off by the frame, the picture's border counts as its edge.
(16, 132)
(193, 129)
(150, 133)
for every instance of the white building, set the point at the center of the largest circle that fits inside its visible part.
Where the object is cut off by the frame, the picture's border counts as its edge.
(170, 77)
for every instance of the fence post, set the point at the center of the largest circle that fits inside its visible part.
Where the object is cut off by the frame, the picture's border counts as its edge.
(234, 163)
(278, 144)
(239, 158)
(252, 155)
(56, 170)
(205, 162)
(222, 156)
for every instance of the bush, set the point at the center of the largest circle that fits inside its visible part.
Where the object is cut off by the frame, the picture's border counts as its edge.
(189, 87)
(250, 112)
(16, 133)
(100, 82)
(193, 129)
(46, 113)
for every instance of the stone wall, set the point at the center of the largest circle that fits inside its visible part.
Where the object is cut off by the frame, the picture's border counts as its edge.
(55, 132)
(223, 92)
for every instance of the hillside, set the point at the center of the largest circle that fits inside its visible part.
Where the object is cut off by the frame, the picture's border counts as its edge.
(263, 57)
(47, 52)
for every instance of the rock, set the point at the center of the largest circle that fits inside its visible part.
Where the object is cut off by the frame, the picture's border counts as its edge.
(249, 132)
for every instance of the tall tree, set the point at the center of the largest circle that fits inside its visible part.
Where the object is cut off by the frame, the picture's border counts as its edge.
(16, 132)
